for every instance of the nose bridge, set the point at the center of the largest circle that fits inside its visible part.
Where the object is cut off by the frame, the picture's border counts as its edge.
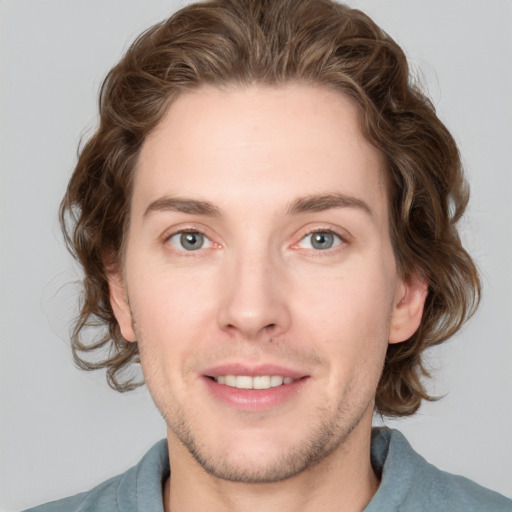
(254, 302)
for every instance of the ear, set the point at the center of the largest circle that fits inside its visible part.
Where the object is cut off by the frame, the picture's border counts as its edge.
(120, 306)
(408, 311)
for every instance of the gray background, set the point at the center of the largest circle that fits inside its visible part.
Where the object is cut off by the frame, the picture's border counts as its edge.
(62, 430)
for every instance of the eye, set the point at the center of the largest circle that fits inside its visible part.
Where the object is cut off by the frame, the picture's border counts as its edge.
(320, 240)
(189, 241)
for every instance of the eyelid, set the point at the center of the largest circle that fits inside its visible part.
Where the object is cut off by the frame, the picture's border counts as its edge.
(179, 230)
(179, 234)
(343, 236)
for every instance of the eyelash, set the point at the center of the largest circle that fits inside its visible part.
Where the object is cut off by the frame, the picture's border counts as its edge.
(341, 241)
(180, 233)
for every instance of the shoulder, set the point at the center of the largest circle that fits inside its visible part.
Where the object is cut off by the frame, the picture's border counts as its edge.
(410, 483)
(138, 489)
(102, 497)
(445, 491)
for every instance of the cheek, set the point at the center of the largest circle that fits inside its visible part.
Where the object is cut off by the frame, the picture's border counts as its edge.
(170, 308)
(169, 321)
(349, 302)
(347, 317)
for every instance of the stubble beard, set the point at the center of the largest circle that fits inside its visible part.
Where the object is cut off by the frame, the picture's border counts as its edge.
(327, 436)
(331, 430)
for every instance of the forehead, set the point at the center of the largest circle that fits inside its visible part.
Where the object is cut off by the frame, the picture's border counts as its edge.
(259, 144)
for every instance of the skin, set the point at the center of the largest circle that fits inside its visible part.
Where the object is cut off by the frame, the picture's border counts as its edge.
(258, 291)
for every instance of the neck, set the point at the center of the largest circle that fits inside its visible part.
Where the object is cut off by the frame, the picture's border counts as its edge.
(344, 482)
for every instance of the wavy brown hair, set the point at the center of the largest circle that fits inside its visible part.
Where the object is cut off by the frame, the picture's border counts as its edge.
(274, 42)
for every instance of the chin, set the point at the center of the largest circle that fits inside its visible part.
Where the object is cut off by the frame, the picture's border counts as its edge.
(261, 468)
(263, 457)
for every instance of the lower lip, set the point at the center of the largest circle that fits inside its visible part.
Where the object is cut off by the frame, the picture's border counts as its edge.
(254, 399)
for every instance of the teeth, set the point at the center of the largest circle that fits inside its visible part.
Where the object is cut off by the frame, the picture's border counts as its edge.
(275, 380)
(243, 382)
(265, 382)
(248, 382)
(230, 380)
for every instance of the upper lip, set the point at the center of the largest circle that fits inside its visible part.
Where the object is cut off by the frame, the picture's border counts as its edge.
(253, 371)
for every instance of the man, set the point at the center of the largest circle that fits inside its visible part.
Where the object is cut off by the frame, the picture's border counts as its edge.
(266, 221)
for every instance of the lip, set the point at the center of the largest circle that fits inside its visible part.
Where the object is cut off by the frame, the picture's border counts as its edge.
(254, 399)
(253, 371)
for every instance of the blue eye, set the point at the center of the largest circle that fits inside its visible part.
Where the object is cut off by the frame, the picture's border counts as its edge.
(189, 241)
(320, 240)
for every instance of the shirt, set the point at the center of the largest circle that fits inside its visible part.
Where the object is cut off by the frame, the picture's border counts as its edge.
(408, 484)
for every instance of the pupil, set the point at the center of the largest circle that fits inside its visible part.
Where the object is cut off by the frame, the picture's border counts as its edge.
(192, 241)
(322, 240)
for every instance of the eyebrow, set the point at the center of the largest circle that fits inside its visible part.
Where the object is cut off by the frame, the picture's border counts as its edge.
(310, 203)
(183, 205)
(321, 202)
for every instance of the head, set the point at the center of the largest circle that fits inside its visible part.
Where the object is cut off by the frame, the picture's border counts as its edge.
(284, 45)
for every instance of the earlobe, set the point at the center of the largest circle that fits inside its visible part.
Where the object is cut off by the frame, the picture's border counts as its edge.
(120, 306)
(408, 310)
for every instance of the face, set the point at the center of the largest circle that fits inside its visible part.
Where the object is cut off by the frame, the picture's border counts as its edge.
(259, 278)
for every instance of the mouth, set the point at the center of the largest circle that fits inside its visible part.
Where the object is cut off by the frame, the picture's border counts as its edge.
(249, 382)
(254, 388)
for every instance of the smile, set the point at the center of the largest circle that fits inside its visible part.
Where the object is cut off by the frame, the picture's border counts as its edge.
(248, 382)
(253, 388)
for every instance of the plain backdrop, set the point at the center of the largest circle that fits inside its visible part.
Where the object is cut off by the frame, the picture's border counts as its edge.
(63, 430)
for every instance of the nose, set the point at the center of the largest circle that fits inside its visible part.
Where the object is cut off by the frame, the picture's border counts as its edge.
(253, 299)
